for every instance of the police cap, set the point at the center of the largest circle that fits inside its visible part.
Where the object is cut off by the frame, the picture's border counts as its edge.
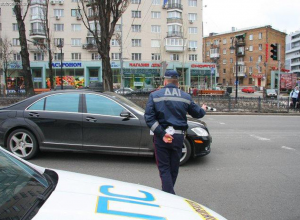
(171, 74)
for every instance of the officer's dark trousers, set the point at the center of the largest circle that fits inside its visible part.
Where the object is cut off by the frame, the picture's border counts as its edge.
(167, 160)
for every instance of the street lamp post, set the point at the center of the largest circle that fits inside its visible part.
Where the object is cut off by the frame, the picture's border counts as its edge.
(61, 63)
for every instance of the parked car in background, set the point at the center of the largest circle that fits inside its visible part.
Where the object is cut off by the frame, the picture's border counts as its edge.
(270, 93)
(85, 120)
(124, 91)
(248, 89)
(32, 192)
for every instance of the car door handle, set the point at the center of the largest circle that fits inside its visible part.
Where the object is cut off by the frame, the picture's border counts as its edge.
(90, 119)
(34, 114)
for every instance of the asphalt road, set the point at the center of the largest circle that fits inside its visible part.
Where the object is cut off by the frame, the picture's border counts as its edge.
(252, 172)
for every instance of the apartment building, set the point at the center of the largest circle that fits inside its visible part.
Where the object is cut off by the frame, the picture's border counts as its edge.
(248, 51)
(156, 35)
(292, 53)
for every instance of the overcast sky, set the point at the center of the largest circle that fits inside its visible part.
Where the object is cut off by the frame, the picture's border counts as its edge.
(221, 15)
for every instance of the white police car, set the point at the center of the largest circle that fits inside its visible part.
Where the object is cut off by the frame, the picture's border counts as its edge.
(28, 191)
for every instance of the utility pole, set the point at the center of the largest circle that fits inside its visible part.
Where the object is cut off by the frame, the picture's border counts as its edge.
(121, 54)
(279, 64)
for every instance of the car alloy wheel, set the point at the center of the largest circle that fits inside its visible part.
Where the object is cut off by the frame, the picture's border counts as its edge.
(186, 152)
(22, 143)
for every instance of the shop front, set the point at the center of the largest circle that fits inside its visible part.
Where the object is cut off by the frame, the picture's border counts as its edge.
(203, 76)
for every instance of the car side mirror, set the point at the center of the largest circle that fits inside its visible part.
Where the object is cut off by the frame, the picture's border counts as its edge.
(125, 114)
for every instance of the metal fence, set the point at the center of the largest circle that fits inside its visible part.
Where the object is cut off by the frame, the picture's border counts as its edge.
(230, 104)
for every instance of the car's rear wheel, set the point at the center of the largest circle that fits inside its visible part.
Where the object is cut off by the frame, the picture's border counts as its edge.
(22, 143)
(186, 152)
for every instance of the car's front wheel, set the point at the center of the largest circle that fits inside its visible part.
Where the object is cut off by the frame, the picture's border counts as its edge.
(186, 152)
(22, 143)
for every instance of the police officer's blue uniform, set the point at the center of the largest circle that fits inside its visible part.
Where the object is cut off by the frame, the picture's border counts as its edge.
(169, 107)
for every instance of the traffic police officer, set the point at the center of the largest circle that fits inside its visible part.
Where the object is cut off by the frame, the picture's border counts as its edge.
(165, 115)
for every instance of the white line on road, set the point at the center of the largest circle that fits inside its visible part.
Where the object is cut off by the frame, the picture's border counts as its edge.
(260, 138)
(287, 148)
(222, 123)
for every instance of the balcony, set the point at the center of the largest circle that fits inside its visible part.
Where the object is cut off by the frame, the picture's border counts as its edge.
(240, 53)
(174, 20)
(37, 34)
(214, 55)
(172, 48)
(90, 34)
(90, 47)
(36, 48)
(241, 42)
(174, 6)
(92, 17)
(37, 2)
(175, 34)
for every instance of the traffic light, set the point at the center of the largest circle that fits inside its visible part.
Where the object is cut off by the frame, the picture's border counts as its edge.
(274, 51)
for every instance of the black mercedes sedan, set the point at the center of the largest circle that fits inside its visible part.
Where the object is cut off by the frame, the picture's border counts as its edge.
(85, 120)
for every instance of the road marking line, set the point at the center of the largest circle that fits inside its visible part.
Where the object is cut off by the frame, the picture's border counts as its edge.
(260, 138)
(222, 123)
(287, 148)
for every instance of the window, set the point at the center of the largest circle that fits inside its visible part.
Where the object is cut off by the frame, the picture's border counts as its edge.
(38, 56)
(136, 42)
(37, 12)
(15, 27)
(115, 43)
(174, 42)
(155, 56)
(250, 81)
(76, 27)
(155, 28)
(155, 43)
(259, 58)
(136, 56)
(192, 44)
(250, 48)
(251, 37)
(193, 57)
(76, 56)
(174, 14)
(224, 41)
(62, 103)
(58, 41)
(17, 56)
(58, 57)
(96, 56)
(155, 14)
(174, 57)
(58, 27)
(250, 69)
(193, 3)
(260, 47)
(231, 60)
(192, 16)
(75, 13)
(136, 1)
(207, 53)
(118, 27)
(224, 61)
(136, 14)
(59, 12)
(96, 104)
(260, 35)
(251, 59)
(231, 51)
(136, 28)
(76, 42)
(224, 51)
(193, 30)
(155, 2)
(115, 56)
(259, 69)
(224, 71)
(207, 43)
(16, 42)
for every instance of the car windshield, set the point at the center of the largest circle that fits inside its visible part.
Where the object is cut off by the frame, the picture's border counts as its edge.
(271, 91)
(20, 187)
(127, 102)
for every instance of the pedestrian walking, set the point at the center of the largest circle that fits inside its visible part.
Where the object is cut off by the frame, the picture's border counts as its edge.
(165, 115)
(294, 95)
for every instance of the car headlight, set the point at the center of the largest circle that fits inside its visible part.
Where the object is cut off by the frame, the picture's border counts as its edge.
(200, 131)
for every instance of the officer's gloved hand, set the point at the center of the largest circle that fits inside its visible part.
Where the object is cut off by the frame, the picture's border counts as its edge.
(168, 138)
(204, 107)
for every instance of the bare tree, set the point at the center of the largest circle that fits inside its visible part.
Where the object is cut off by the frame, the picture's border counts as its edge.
(100, 18)
(26, 73)
(6, 58)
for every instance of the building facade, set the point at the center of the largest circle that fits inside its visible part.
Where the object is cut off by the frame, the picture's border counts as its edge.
(292, 53)
(248, 51)
(156, 35)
